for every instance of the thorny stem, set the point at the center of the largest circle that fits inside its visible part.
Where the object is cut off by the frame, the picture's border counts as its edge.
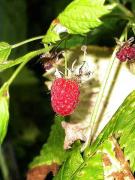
(26, 41)
(100, 96)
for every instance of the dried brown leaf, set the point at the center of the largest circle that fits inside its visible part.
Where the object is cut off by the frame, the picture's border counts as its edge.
(41, 172)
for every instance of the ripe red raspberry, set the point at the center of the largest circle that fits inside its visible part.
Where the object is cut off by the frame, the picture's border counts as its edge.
(64, 96)
(126, 53)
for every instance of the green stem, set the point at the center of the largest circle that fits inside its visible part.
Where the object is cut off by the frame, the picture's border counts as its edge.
(128, 13)
(30, 56)
(25, 59)
(108, 95)
(19, 60)
(100, 96)
(66, 63)
(26, 41)
(11, 79)
(126, 33)
(3, 166)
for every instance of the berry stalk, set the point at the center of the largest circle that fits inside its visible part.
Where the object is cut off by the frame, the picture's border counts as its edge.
(27, 41)
(66, 63)
(94, 115)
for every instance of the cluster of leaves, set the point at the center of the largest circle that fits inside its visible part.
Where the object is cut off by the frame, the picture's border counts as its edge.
(90, 164)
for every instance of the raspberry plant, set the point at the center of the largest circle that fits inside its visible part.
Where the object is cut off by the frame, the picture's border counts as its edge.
(96, 157)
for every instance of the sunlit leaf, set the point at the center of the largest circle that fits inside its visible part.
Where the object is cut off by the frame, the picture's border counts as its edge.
(79, 17)
(82, 15)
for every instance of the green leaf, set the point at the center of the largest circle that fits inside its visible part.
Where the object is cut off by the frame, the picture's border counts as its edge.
(122, 126)
(5, 50)
(4, 112)
(70, 165)
(76, 168)
(129, 144)
(82, 15)
(91, 169)
(79, 17)
(52, 151)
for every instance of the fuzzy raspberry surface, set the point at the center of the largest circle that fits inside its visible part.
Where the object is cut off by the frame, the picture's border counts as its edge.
(64, 96)
(126, 53)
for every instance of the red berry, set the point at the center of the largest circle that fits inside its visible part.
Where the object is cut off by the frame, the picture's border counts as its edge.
(126, 53)
(64, 96)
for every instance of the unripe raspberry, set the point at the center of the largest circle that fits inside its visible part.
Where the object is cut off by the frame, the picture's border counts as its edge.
(64, 96)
